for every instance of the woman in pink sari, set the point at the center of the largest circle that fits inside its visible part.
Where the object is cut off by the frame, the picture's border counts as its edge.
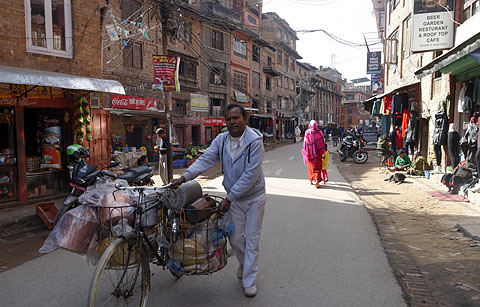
(312, 151)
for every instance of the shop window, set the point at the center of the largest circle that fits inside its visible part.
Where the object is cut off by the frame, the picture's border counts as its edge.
(217, 39)
(268, 83)
(49, 24)
(255, 53)
(239, 48)
(132, 55)
(218, 74)
(392, 49)
(255, 80)
(180, 107)
(240, 80)
(407, 37)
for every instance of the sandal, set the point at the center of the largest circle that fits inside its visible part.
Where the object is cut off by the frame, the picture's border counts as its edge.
(318, 186)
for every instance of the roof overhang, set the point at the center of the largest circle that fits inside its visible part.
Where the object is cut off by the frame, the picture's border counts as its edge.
(458, 55)
(16, 75)
(270, 71)
(145, 113)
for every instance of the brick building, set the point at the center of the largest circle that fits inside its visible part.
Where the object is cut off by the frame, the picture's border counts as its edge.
(352, 112)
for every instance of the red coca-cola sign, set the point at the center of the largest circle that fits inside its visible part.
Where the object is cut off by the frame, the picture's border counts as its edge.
(214, 121)
(133, 103)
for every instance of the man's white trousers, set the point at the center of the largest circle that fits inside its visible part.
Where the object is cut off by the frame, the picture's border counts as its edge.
(247, 218)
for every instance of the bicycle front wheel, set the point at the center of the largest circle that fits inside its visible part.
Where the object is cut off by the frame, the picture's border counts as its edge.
(122, 276)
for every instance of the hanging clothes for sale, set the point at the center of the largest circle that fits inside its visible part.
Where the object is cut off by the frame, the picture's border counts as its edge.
(393, 137)
(405, 118)
(404, 101)
(398, 138)
(387, 101)
(376, 107)
(464, 101)
(397, 104)
(453, 145)
(441, 129)
(476, 91)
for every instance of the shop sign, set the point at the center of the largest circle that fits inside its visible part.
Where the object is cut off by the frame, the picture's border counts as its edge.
(432, 25)
(374, 62)
(165, 73)
(39, 102)
(376, 84)
(133, 103)
(198, 103)
(214, 121)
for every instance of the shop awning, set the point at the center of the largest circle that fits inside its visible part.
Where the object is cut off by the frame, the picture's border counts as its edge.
(457, 60)
(251, 109)
(263, 115)
(240, 97)
(26, 76)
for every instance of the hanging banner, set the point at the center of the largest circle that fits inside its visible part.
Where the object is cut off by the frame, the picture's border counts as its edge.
(432, 25)
(133, 103)
(214, 121)
(376, 84)
(165, 73)
(198, 103)
(374, 62)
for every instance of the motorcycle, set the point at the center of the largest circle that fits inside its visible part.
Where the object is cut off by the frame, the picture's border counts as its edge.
(352, 147)
(83, 175)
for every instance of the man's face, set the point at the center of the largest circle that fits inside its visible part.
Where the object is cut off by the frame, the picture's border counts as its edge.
(402, 155)
(235, 122)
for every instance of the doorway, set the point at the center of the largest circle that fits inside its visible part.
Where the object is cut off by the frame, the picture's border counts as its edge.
(195, 135)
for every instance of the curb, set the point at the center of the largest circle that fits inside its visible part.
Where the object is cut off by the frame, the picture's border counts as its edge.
(466, 232)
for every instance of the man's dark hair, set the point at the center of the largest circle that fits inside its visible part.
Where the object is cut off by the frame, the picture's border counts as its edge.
(160, 131)
(235, 105)
(401, 151)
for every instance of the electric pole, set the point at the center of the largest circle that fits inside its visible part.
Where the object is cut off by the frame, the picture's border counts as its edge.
(165, 11)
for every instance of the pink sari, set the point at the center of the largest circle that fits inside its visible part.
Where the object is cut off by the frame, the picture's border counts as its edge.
(312, 151)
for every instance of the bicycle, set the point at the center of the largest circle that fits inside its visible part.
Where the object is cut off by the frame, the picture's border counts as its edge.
(161, 235)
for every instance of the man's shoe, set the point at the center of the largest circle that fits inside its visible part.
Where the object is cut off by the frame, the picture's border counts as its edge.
(240, 272)
(251, 291)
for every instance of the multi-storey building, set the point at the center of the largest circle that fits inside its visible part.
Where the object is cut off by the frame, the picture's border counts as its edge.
(353, 113)
(306, 101)
(278, 33)
(50, 66)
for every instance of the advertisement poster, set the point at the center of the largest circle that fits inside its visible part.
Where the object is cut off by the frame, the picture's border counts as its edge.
(165, 73)
(376, 84)
(133, 103)
(198, 103)
(432, 25)
(374, 62)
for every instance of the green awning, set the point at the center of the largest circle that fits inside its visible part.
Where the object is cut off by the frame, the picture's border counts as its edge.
(240, 97)
(464, 68)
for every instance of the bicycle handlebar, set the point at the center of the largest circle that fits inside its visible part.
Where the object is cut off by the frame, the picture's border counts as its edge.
(142, 188)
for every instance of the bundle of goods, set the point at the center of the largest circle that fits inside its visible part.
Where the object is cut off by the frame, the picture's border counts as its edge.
(203, 249)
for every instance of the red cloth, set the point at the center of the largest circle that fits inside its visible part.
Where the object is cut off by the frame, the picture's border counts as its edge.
(314, 168)
(387, 102)
(398, 138)
(313, 143)
(406, 116)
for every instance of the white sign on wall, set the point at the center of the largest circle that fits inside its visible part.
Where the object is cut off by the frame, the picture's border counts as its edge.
(432, 25)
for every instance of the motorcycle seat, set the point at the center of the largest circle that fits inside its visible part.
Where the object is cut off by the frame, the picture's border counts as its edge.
(133, 173)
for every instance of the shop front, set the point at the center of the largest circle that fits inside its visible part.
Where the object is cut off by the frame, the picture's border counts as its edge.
(264, 123)
(133, 125)
(213, 127)
(39, 119)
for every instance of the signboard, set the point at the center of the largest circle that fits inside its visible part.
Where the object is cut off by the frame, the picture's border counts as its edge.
(432, 25)
(198, 103)
(374, 62)
(214, 121)
(376, 84)
(165, 73)
(133, 103)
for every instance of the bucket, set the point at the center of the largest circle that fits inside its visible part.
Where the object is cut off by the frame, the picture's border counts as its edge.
(427, 174)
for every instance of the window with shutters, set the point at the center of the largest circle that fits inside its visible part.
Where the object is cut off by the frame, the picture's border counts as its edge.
(131, 10)
(218, 74)
(255, 53)
(180, 107)
(240, 80)
(217, 39)
(392, 49)
(187, 69)
(132, 55)
(407, 37)
(255, 80)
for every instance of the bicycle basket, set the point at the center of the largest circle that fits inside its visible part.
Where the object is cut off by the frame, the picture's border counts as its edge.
(202, 247)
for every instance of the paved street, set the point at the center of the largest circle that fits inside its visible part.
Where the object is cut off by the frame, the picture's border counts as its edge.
(319, 248)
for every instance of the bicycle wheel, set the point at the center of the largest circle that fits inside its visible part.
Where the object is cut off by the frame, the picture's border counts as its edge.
(122, 276)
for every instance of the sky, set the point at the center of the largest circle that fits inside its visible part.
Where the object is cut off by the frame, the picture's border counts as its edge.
(347, 19)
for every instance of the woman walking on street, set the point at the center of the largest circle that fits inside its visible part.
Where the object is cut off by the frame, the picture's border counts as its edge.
(312, 151)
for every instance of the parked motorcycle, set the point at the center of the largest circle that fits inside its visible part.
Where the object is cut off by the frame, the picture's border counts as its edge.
(352, 147)
(83, 175)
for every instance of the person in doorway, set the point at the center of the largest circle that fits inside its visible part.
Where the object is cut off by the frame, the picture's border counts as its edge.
(161, 147)
(312, 151)
(402, 162)
(240, 150)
